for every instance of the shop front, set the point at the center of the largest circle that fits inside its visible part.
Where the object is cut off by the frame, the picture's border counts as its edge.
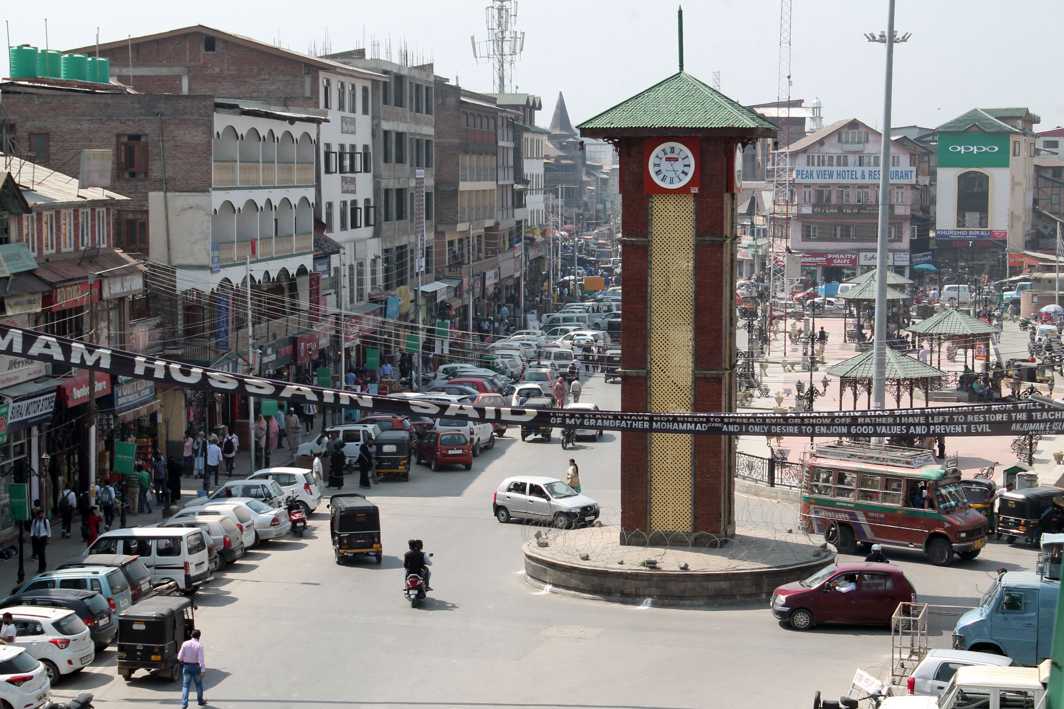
(25, 412)
(829, 267)
(68, 439)
(136, 416)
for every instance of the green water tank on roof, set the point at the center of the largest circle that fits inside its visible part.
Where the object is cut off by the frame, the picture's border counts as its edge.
(49, 63)
(23, 59)
(90, 68)
(103, 70)
(74, 67)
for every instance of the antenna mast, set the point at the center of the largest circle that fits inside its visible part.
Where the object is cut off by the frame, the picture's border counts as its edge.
(504, 42)
(780, 163)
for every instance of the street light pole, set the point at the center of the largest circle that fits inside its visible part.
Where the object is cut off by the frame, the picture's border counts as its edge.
(879, 344)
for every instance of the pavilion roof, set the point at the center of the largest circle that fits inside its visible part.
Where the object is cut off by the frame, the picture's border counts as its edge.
(899, 366)
(952, 322)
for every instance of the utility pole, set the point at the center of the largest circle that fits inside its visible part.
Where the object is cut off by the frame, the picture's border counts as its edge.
(343, 344)
(521, 292)
(879, 344)
(1056, 266)
(89, 478)
(469, 282)
(251, 368)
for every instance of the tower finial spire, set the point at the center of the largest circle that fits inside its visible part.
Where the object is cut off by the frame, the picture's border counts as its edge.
(679, 33)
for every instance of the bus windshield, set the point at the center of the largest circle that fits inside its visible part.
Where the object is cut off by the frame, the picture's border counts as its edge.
(950, 498)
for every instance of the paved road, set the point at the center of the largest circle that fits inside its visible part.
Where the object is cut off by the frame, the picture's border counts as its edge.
(287, 627)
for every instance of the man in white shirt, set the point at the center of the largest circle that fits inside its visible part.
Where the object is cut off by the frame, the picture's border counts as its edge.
(214, 458)
(40, 532)
(8, 633)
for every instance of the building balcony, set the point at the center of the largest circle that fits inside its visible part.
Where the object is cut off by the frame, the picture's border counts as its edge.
(230, 173)
(236, 252)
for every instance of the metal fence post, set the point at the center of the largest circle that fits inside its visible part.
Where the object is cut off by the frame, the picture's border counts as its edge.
(772, 471)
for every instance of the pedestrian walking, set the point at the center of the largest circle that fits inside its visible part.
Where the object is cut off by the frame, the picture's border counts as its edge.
(187, 452)
(92, 525)
(273, 434)
(214, 459)
(365, 463)
(309, 412)
(106, 497)
(158, 477)
(40, 533)
(572, 475)
(337, 459)
(230, 445)
(317, 469)
(67, 502)
(144, 485)
(261, 430)
(559, 392)
(575, 390)
(278, 420)
(293, 429)
(192, 668)
(199, 464)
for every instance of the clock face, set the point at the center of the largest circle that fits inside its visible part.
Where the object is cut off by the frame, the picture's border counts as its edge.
(671, 165)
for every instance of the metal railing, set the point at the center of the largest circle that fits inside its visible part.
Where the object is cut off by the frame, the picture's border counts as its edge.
(768, 471)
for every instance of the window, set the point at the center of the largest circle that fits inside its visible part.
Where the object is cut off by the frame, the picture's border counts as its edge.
(101, 228)
(354, 94)
(328, 216)
(342, 167)
(341, 96)
(875, 583)
(809, 232)
(375, 273)
(892, 488)
(946, 671)
(388, 204)
(368, 215)
(365, 101)
(133, 234)
(40, 147)
(49, 232)
(25, 628)
(1012, 602)
(537, 491)
(343, 215)
(1015, 148)
(428, 153)
(428, 206)
(209, 44)
(360, 280)
(386, 137)
(356, 215)
(1047, 144)
(132, 156)
(367, 162)
(386, 93)
(973, 200)
(417, 97)
(83, 229)
(330, 159)
(168, 546)
(400, 204)
(400, 148)
(517, 487)
(398, 90)
(428, 100)
(853, 137)
(326, 93)
(66, 229)
(870, 488)
(418, 152)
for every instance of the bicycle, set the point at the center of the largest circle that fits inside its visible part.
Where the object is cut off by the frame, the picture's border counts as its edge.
(987, 473)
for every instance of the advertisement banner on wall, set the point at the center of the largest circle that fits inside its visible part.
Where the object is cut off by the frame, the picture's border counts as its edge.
(922, 257)
(973, 149)
(853, 175)
(844, 260)
(969, 235)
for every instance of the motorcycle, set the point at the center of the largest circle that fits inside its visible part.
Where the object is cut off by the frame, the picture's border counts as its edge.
(1024, 323)
(873, 700)
(82, 701)
(414, 589)
(297, 517)
(568, 438)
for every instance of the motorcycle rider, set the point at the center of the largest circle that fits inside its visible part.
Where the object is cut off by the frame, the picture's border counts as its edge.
(877, 556)
(415, 561)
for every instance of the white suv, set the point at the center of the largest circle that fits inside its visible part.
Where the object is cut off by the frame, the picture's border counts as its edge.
(300, 483)
(481, 433)
(55, 636)
(23, 680)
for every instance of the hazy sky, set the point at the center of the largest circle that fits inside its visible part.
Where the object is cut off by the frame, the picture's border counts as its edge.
(963, 53)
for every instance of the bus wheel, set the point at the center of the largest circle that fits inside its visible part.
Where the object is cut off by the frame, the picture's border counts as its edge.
(939, 551)
(841, 535)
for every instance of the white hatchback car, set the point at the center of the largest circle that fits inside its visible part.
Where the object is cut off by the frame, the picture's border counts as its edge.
(244, 520)
(23, 680)
(300, 483)
(270, 522)
(934, 672)
(55, 636)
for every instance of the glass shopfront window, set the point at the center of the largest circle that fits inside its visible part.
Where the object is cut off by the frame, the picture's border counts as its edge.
(12, 452)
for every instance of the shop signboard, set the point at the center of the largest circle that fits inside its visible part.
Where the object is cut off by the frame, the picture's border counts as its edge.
(845, 260)
(216, 258)
(973, 149)
(373, 358)
(306, 348)
(314, 297)
(969, 235)
(15, 370)
(19, 304)
(221, 320)
(121, 286)
(32, 409)
(276, 354)
(125, 455)
(76, 388)
(412, 342)
(922, 257)
(132, 393)
(852, 175)
(19, 495)
(68, 297)
(3, 423)
(899, 258)
(323, 375)
(268, 408)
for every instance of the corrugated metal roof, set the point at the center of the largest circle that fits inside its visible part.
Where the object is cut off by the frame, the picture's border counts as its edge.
(893, 279)
(43, 186)
(77, 267)
(679, 101)
(899, 366)
(815, 136)
(952, 322)
(976, 118)
(867, 291)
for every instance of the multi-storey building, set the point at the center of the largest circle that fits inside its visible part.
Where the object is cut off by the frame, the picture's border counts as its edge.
(532, 142)
(835, 203)
(404, 133)
(985, 191)
(563, 169)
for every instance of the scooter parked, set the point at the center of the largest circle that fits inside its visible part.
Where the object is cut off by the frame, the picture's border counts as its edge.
(297, 518)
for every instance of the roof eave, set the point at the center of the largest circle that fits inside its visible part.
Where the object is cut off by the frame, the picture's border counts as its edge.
(609, 133)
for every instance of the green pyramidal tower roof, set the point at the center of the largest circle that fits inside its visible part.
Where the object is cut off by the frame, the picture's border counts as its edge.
(680, 105)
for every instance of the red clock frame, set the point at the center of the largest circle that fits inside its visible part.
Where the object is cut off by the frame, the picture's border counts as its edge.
(692, 144)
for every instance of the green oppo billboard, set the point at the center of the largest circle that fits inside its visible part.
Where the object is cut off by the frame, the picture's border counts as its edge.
(973, 149)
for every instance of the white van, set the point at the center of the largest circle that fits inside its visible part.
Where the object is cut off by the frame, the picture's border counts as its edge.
(956, 294)
(559, 357)
(584, 321)
(172, 554)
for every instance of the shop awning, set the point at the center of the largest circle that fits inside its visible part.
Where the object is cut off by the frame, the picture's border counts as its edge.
(30, 402)
(65, 270)
(433, 287)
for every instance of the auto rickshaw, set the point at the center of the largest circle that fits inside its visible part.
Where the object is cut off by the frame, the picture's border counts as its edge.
(980, 496)
(355, 526)
(1023, 513)
(532, 429)
(392, 455)
(151, 632)
(611, 366)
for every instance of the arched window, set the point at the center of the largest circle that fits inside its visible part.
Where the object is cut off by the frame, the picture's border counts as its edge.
(973, 200)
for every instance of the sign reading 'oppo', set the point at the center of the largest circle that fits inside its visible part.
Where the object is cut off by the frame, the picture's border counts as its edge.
(973, 150)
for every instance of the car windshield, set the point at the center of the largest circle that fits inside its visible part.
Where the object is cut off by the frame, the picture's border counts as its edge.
(559, 490)
(950, 498)
(818, 578)
(976, 493)
(536, 376)
(70, 625)
(988, 597)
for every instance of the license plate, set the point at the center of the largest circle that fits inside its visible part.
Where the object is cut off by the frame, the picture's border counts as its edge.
(86, 659)
(454, 452)
(102, 622)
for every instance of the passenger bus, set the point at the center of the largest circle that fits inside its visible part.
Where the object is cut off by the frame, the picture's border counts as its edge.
(858, 493)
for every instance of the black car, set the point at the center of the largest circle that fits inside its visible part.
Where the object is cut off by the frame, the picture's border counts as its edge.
(90, 606)
(132, 566)
(1027, 513)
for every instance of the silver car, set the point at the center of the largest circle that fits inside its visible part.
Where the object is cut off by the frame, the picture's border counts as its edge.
(270, 522)
(542, 499)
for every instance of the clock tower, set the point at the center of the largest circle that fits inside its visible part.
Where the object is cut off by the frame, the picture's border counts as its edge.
(677, 142)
